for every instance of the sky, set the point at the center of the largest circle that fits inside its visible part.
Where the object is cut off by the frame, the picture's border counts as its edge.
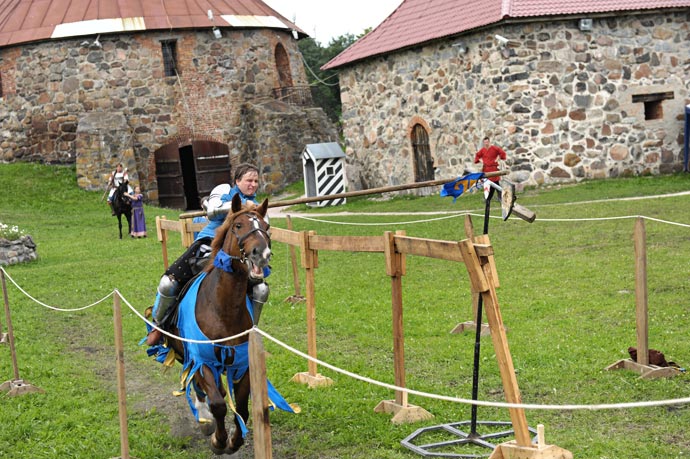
(326, 19)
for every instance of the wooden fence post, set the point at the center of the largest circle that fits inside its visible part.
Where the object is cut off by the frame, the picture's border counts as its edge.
(310, 262)
(641, 305)
(395, 268)
(641, 365)
(261, 425)
(15, 386)
(297, 297)
(120, 368)
(162, 234)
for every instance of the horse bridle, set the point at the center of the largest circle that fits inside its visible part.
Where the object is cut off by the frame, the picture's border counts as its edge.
(256, 229)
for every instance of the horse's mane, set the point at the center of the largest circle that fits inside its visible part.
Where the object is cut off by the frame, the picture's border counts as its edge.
(223, 229)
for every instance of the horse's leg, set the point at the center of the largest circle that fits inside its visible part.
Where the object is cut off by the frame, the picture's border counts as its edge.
(218, 407)
(241, 390)
(119, 223)
(206, 421)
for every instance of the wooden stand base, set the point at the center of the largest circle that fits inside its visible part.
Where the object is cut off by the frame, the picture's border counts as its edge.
(403, 414)
(18, 387)
(645, 371)
(312, 380)
(471, 326)
(510, 450)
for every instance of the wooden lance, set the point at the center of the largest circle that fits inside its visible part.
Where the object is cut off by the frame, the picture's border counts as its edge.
(349, 194)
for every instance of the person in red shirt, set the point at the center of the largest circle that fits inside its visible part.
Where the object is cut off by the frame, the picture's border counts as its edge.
(489, 155)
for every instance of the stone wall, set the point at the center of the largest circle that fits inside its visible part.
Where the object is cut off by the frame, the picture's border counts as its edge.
(17, 251)
(70, 101)
(559, 100)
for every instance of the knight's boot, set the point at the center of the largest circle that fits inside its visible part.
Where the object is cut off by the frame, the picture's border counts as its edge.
(168, 288)
(259, 296)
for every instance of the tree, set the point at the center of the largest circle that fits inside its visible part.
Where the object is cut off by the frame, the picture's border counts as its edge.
(325, 89)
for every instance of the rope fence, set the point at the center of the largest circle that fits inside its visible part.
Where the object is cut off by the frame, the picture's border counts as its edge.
(565, 407)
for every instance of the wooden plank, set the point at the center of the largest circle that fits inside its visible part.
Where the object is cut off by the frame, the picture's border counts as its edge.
(347, 243)
(641, 305)
(286, 236)
(469, 227)
(484, 249)
(474, 271)
(504, 359)
(442, 250)
(170, 225)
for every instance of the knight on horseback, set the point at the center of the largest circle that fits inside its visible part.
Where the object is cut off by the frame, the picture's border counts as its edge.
(117, 176)
(193, 260)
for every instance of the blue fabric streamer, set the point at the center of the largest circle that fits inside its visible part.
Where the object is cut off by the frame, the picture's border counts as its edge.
(460, 185)
(198, 355)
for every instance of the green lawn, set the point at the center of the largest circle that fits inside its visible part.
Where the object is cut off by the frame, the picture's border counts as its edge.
(567, 296)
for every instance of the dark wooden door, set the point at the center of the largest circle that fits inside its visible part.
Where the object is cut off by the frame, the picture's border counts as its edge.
(212, 163)
(169, 175)
(423, 162)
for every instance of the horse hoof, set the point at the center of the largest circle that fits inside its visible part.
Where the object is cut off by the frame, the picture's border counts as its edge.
(216, 446)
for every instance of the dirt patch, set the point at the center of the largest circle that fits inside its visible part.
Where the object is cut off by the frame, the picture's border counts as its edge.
(150, 389)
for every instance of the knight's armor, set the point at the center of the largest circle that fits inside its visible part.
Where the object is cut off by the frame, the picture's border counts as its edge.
(194, 259)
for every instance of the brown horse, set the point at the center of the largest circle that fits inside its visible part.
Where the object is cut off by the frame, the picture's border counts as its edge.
(241, 250)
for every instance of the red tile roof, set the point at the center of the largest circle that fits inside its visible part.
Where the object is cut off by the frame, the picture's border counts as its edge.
(419, 21)
(32, 20)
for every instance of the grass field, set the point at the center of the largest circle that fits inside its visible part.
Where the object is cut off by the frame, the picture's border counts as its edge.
(567, 296)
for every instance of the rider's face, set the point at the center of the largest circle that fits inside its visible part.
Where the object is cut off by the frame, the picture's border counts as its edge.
(249, 183)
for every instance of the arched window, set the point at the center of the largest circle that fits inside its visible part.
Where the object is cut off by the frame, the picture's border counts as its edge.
(423, 162)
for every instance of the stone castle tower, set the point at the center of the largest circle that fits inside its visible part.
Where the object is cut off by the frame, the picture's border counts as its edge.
(176, 93)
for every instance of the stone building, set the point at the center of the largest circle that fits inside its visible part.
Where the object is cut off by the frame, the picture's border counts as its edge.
(571, 90)
(177, 92)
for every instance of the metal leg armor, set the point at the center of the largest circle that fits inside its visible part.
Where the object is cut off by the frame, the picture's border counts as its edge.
(168, 288)
(259, 296)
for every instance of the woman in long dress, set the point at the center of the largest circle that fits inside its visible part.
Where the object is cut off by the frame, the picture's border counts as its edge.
(138, 219)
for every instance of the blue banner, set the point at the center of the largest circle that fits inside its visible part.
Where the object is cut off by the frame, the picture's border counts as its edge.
(460, 185)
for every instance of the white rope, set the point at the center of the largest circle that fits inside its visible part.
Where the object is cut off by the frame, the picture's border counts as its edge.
(605, 406)
(53, 307)
(591, 219)
(381, 224)
(172, 335)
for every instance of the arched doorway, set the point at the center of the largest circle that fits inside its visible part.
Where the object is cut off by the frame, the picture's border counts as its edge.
(423, 162)
(283, 67)
(187, 173)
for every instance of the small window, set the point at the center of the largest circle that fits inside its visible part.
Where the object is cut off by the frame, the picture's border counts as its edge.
(169, 50)
(653, 108)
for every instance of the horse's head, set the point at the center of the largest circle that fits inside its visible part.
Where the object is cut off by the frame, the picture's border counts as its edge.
(244, 236)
